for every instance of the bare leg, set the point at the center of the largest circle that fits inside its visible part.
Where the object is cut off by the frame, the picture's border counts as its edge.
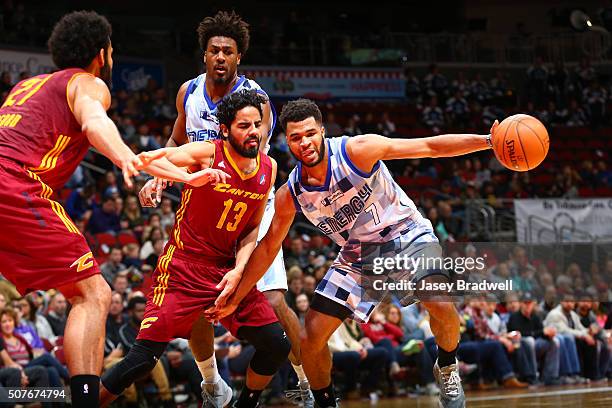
(289, 321)
(202, 339)
(444, 323)
(316, 357)
(85, 328)
(257, 381)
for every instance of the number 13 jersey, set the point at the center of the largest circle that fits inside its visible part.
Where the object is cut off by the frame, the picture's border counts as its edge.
(211, 219)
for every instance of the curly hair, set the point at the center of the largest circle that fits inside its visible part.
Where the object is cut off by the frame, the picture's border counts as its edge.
(298, 110)
(224, 24)
(232, 103)
(77, 38)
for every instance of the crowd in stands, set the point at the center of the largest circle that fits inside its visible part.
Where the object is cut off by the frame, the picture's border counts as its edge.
(562, 340)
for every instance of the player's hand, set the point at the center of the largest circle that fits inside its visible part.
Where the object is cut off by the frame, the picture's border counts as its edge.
(228, 285)
(206, 176)
(494, 127)
(215, 314)
(132, 166)
(150, 194)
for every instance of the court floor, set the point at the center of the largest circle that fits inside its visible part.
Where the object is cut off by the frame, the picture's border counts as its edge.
(595, 396)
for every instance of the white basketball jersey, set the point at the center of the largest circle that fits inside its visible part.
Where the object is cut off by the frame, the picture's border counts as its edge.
(354, 207)
(200, 111)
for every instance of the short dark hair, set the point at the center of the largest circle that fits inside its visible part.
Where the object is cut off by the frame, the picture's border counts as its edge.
(231, 104)
(136, 300)
(298, 110)
(224, 24)
(77, 38)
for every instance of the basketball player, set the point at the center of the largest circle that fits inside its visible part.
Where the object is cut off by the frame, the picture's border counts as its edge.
(225, 39)
(214, 234)
(342, 186)
(47, 124)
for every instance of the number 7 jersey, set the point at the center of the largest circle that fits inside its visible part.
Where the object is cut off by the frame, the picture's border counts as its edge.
(354, 207)
(211, 219)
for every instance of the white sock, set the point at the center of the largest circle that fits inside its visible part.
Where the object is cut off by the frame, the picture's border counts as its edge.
(208, 369)
(300, 372)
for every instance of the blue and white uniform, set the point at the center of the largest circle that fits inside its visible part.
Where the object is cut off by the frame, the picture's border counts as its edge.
(202, 124)
(353, 208)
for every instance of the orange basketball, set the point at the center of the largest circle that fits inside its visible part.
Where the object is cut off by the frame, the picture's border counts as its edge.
(520, 142)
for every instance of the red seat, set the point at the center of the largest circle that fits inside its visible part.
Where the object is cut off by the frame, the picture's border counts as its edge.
(127, 238)
(586, 192)
(104, 238)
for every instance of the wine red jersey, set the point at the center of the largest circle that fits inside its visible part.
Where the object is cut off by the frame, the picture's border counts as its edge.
(212, 219)
(38, 129)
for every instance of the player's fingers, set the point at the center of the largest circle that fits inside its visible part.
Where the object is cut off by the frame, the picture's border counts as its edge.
(223, 282)
(224, 176)
(127, 177)
(159, 189)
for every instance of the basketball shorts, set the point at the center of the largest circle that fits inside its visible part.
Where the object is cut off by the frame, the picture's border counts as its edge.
(40, 247)
(275, 277)
(183, 287)
(346, 284)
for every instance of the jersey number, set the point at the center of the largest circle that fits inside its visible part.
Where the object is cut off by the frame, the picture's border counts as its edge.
(32, 85)
(374, 212)
(239, 210)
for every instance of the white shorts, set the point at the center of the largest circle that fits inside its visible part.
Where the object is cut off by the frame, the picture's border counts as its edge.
(276, 276)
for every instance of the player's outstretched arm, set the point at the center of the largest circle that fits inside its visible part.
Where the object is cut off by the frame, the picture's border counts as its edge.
(365, 150)
(89, 98)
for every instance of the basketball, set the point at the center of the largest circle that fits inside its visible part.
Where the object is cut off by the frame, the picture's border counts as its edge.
(520, 142)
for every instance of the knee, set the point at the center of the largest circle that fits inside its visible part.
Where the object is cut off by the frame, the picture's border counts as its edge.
(272, 348)
(528, 341)
(95, 290)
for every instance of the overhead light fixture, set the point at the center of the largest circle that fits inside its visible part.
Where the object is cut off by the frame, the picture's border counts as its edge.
(580, 20)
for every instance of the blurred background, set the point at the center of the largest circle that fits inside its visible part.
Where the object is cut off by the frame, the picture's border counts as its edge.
(406, 70)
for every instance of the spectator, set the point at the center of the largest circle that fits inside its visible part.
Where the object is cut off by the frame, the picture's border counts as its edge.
(479, 89)
(157, 250)
(112, 265)
(352, 129)
(575, 115)
(433, 116)
(435, 83)
(567, 323)
(538, 339)
(167, 215)
(57, 313)
(110, 186)
(297, 254)
(537, 80)
(127, 338)
(386, 126)
(309, 286)
(21, 352)
(353, 354)
(80, 203)
(588, 319)
(121, 285)
(413, 87)
(131, 255)
(115, 319)
(132, 214)
(295, 289)
(14, 375)
(332, 128)
(302, 304)
(369, 126)
(385, 335)
(105, 219)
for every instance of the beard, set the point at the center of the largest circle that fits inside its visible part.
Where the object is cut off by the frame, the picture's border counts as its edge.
(319, 159)
(248, 152)
(106, 75)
